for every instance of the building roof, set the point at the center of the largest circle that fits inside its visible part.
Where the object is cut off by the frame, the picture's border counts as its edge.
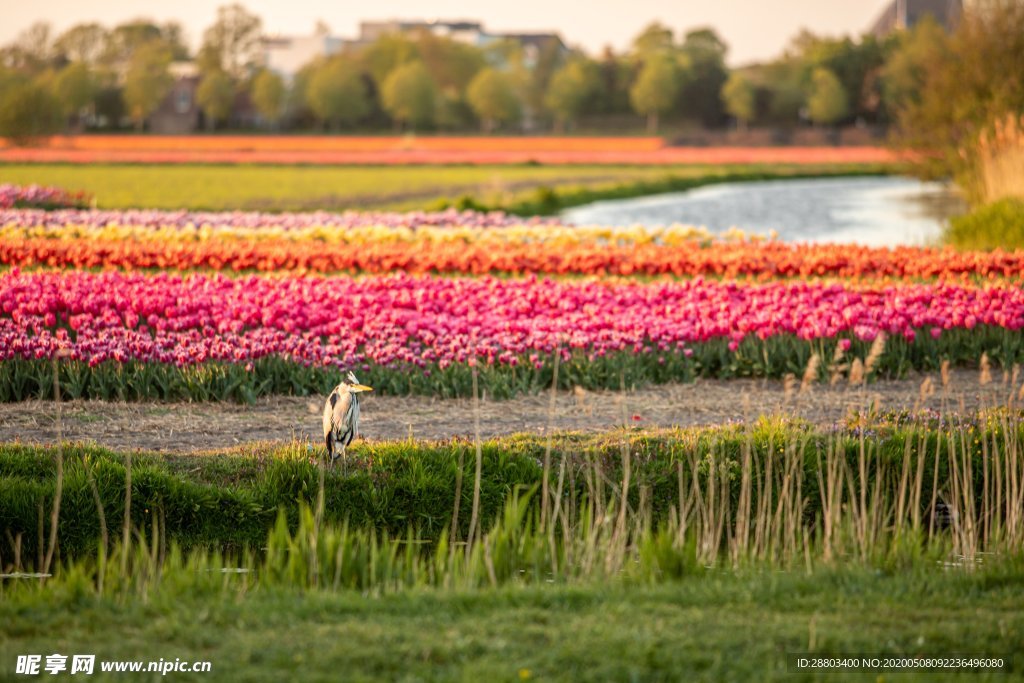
(901, 14)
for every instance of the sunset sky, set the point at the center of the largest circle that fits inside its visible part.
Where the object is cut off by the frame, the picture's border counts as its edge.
(754, 29)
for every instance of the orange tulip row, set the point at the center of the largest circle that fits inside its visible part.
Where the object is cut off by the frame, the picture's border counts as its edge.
(491, 254)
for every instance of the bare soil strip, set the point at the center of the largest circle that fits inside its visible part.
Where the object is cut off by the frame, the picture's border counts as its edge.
(191, 427)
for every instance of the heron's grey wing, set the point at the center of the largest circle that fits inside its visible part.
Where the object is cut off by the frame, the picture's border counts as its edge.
(354, 416)
(329, 404)
(340, 414)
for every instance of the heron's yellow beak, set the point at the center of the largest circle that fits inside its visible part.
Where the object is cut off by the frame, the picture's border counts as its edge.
(359, 387)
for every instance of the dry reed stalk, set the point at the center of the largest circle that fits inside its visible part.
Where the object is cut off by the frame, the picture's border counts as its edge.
(740, 540)
(100, 512)
(810, 373)
(875, 353)
(126, 536)
(544, 496)
(454, 535)
(55, 511)
(1010, 395)
(59, 485)
(986, 513)
(985, 370)
(926, 391)
(856, 373)
(15, 542)
(837, 367)
(1001, 159)
(903, 490)
(764, 501)
(555, 514)
(474, 518)
(41, 537)
(915, 506)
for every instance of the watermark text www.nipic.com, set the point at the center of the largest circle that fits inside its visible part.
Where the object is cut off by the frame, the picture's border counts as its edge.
(804, 663)
(35, 665)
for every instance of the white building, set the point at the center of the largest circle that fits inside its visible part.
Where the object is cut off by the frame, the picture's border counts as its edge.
(286, 55)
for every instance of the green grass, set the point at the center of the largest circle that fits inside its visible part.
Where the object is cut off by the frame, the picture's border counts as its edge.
(522, 189)
(718, 627)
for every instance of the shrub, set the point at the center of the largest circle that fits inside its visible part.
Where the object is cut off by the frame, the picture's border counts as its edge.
(991, 226)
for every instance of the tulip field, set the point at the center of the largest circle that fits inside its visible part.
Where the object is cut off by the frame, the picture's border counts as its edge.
(150, 304)
(410, 149)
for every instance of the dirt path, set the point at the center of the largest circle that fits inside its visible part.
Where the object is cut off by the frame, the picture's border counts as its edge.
(185, 427)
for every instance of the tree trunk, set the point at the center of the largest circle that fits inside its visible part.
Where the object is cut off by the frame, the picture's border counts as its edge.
(652, 122)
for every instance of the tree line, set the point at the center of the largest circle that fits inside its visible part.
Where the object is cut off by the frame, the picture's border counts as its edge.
(98, 77)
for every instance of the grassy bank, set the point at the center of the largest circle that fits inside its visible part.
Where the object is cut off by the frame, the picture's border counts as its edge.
(716, 627)
(232, 500)
(520, 189)
(642, 556)
(774, 357)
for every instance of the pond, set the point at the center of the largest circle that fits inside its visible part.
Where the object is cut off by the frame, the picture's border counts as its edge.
(877, 211)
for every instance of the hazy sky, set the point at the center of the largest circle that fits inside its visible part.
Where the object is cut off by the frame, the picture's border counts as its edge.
(753, 29)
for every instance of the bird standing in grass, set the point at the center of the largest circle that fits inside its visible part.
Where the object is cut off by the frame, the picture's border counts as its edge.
(341, 416)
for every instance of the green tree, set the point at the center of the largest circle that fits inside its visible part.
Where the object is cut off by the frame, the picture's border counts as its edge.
(268, 95)
(656, 89)
(966, 87)
(32, 51)
(147, 81)
(493, 98)
(656, 38)
(384, 55)
(215, 95)
(451, 64)
(28, 110)
(82, 43)
(75, 89)
(232, 43)
(855, 63)
(336, 93)
(125, 39)
(827, 103)
(704, 53)
(409, 95)
(738, 98)
(615, 76)
(572, 90)
(904, 74)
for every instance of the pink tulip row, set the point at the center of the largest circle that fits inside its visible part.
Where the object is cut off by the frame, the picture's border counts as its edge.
(13, 196)
(400, 319)
(184, 220)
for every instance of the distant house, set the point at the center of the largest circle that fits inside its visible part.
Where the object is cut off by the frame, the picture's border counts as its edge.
(468, 32)
(286, 55)
(905, 14)
(462, 31)
(179, 113)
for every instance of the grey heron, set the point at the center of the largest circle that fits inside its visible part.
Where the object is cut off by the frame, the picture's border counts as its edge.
(341, 416)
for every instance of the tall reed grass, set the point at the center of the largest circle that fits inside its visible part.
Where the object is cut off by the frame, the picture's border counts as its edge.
(781, 498)
(1001, 160)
